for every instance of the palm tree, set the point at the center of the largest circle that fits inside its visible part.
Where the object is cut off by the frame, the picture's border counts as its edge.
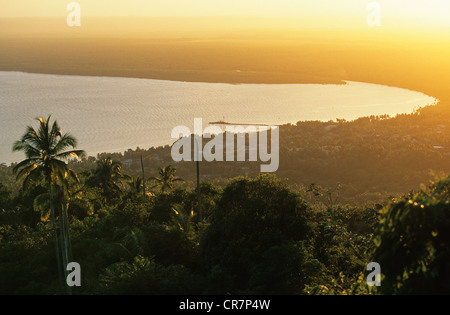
(108, 176)
(136, 185)
(167, 178)
(45, 152)
(76, 193)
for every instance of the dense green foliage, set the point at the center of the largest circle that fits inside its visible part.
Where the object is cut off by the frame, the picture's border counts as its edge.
(256, 238)
(257, 234)
(413, 242)
(372, 158)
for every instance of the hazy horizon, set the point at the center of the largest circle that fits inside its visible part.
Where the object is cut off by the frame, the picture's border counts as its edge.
(412, 15)
(268, 41)
(433, 11)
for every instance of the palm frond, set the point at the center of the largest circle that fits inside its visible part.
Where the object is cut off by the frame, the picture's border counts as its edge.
(24, 163)
(69, 154)
(159, 180)
(54, 134)
(30, 138)
(42, 204)
(66, 141)
(33, 177)
(26, 170)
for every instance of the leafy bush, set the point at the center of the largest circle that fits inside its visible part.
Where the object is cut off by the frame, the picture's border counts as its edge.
(256, 236)
(144, 276)
(413, 242)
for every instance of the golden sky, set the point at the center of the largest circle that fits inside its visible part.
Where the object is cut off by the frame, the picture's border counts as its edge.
(420, 13)
(287, 40)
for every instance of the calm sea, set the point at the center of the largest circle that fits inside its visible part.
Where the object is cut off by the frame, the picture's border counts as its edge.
(109, 114)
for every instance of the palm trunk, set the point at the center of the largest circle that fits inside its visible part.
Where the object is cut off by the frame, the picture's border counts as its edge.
(143, 177)
(198, 193)
(58, 259)
(67, 240)
(69, 245)
(63, 234)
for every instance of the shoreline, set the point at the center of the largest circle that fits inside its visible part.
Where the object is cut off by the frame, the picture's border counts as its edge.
(193, 80)
(230, 82)
(344, 82)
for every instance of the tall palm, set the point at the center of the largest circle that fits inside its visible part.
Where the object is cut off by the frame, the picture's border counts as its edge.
(46, 151)
(167, 178)
(75, 194)
(136, 186)
(109, 177)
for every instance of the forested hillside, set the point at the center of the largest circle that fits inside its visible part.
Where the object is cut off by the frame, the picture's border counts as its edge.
(372, 158)
(346, 194)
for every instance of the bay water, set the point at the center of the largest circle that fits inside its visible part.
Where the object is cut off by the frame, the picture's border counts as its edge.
(111, 114)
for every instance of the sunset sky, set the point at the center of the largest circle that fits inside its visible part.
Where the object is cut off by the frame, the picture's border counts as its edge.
(277, 41)
(399, 12)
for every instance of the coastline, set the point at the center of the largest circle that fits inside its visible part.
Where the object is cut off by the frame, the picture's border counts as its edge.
(125, 147)
(221, 81)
